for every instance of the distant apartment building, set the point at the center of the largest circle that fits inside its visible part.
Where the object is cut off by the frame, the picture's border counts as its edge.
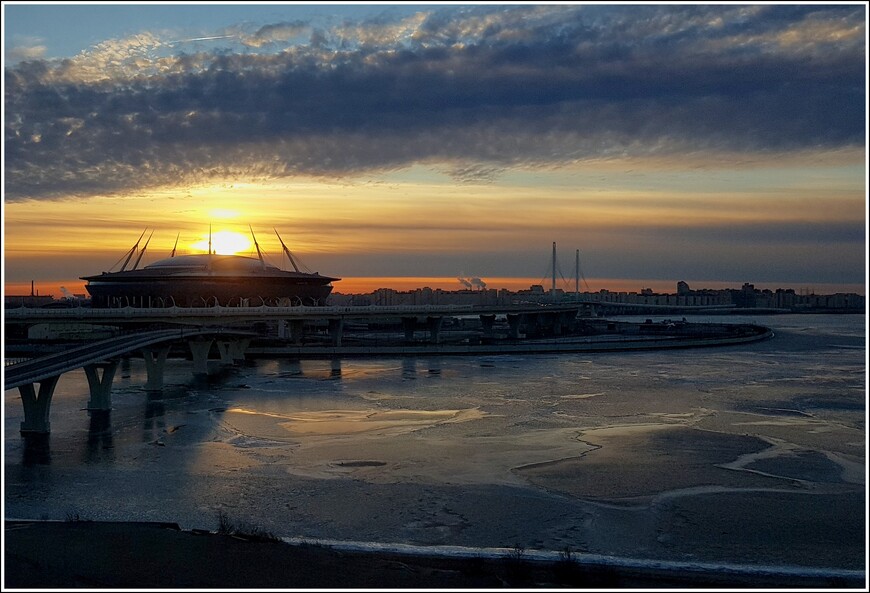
(745, 297)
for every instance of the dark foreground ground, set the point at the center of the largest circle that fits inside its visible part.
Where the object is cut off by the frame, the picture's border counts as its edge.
(91, 555)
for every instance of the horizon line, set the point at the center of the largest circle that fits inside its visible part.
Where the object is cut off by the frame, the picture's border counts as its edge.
(369, 284)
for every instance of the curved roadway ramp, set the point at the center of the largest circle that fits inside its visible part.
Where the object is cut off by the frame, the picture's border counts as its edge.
(103, 355)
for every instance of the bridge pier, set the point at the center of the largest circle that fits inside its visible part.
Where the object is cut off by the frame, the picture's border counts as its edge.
(155, 363)
(232, 351)
(297, 330)
(487, 322)
(101, 386)
(200, 349)
(434, 325)
(514, 320)
(567, 320)
(549, 324)
(224, 350)
(238, 348)
(37, 405)
(409, 324)
(336, 329)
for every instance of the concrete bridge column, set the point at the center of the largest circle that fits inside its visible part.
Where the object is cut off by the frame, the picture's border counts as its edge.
(514, 321)
(101, 386)
(155, 363)
(538, 321)
(37, 406)
(282, 329)
(336, 329)
(554, 323)
(434, 325)
(297, 330)
(232, 351)
(567, 319)
(199, 348)
(224, 349)
(487, 321)
(409, 324)
(238, 348)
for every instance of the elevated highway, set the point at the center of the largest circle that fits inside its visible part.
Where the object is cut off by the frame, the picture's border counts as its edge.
(219, 314)
(100, 360)
(413, 317)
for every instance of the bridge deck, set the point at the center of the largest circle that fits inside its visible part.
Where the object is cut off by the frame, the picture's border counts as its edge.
(37, 369)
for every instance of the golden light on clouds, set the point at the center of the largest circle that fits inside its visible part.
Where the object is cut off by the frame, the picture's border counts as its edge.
(366, 227)
(223, 213)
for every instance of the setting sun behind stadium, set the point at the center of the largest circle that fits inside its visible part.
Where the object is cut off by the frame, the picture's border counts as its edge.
(224, 243)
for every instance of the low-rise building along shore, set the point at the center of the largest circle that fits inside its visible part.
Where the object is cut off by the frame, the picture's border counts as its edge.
(746, 297)
(741, 299)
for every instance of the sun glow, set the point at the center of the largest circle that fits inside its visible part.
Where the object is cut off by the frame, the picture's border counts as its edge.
(224, 243)
(223, 213)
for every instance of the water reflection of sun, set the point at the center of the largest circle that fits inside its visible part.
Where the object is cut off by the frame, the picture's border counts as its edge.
(224, 243)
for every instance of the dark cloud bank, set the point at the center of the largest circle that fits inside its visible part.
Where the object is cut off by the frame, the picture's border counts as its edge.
(479, 89)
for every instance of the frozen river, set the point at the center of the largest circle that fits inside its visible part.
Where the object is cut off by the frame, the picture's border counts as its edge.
(749, 454)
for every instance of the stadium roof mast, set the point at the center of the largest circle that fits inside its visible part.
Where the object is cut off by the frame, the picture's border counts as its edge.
(553, 288)
(174, 247)
(577, 275)
(132, 250)
(257, 245)
(144, 247)
(287, 251)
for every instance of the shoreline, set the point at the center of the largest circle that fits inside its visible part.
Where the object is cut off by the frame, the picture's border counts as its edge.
(136, 554)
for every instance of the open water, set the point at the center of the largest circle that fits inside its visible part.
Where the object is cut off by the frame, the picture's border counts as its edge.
(752, 454)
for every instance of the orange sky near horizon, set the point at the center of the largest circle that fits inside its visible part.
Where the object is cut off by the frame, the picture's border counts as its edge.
(366, 285)
(647, 225)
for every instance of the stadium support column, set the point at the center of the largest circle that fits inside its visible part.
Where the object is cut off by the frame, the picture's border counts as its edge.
(37, 405)
(101, 386)
(155, 363)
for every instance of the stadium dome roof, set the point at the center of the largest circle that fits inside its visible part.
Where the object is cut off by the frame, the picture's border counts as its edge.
(226, 263)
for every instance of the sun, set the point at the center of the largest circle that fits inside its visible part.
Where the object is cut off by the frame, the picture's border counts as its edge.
(224, 243)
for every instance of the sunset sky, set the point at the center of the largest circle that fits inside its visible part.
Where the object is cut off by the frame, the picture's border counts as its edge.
(711, 143)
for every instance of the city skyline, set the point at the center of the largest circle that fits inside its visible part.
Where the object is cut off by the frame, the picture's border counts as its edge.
(716, 144)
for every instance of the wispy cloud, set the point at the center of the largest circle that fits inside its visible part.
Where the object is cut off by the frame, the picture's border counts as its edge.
(33, 51)
(471, 90)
